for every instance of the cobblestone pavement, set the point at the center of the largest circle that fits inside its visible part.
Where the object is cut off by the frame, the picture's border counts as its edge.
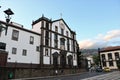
(109, 76)
(114, 75)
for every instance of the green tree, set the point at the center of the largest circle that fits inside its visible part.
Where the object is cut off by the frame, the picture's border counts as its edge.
(96, 59)
(118, 64)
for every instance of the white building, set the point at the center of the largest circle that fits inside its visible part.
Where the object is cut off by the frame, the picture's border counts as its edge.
(109, 57)
(21, 44)
(49, 43)
(58, 42)
(90, 61)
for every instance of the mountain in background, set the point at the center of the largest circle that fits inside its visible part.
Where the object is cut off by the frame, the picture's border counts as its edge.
(88, 52)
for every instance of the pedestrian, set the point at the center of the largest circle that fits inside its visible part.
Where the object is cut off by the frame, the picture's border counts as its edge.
(92, 69)
(56, 72)
(62, 71)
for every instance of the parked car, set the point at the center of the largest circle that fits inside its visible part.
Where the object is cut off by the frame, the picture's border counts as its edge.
(98, 69)
(107, 69)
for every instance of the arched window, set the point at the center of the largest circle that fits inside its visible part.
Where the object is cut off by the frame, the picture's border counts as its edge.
(70, 61)
(55, 59)
(63, 58)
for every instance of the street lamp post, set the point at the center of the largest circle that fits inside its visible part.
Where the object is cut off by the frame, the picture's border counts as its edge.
(8, 12)
(100, 64)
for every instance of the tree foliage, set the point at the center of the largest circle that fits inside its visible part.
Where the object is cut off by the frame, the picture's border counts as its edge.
(118, 64)
(96, 59)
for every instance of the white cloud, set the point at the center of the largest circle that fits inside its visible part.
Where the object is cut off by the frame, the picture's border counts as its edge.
(86, 43)
(111, 34)
(109, 39)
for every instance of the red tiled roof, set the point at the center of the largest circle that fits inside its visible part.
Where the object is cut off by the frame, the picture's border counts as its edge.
(113, 48)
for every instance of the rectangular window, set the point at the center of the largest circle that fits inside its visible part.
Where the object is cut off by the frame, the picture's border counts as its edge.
(68, 46)
(104, 64)
(55, 36)
(110, 63)
(37, 48)
(103, 57)
(15, 35)
(56, 29)
(2, 46)
(62, 31)
(31, 40)
(62, 41)
(24, 53)
(47, 38)
(109, 56)
(46, 52)
(46, 42)
(117, 56)
(55, 43)
(55, 40)
(14, 50)
(67, 33)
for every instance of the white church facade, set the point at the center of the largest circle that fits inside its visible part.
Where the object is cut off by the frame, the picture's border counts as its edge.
(49, 44)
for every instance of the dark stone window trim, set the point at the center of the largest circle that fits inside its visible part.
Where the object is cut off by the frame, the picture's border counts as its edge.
(38, 48)
(47, 52)
(15, 35)
(24, 52)
(14, 50)
(58, 34)
(31, 40)
(2, 45)
(56, 48)
(56, 28)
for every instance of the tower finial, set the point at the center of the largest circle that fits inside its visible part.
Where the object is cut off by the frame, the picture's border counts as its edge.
(42, 15)
(61, 15)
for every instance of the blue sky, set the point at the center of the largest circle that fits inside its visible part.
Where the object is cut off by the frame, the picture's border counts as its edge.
(92, 20)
